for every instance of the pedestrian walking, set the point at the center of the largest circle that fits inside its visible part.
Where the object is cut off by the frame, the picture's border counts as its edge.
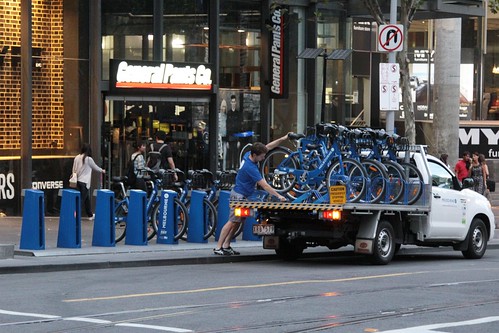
(83, 165)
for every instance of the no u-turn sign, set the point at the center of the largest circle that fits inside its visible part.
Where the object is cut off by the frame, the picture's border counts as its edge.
(390, 37)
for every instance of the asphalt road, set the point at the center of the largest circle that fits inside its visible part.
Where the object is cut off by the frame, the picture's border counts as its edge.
(422, 290)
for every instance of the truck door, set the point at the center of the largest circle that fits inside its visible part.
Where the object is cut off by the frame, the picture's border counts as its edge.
(448, 205)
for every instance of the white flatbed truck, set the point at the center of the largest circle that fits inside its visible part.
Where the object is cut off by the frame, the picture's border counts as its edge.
(445, 215)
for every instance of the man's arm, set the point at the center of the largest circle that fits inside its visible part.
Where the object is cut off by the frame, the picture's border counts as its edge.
(277, 142)
(263, 184)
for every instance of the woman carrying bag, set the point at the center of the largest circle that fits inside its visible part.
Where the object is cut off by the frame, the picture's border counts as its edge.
(83, 165)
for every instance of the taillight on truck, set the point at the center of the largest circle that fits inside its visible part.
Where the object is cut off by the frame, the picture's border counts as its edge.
(330, 215)
(244, 212)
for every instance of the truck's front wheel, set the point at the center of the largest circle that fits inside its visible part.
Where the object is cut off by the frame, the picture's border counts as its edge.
(289, 250)
(477, 240)
(384, 244)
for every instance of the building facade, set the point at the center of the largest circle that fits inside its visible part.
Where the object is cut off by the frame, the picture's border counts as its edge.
(214, 75)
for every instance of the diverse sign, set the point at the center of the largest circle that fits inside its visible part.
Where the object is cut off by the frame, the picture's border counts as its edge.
(389, 76)
(278, 51)
(147, 75)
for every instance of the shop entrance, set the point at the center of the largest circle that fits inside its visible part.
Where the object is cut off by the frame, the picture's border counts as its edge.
(129, 120)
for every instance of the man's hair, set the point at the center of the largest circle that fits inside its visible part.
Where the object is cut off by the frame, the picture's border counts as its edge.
(466, 153)
(161, 135)
(258, 148)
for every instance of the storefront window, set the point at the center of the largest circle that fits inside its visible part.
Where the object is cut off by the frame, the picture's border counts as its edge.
(131, 26)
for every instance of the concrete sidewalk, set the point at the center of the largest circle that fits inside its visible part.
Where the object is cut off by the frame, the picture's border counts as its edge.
(121, 255)
(53, 258)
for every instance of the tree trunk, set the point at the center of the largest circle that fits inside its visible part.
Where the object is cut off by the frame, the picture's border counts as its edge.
(446, 92)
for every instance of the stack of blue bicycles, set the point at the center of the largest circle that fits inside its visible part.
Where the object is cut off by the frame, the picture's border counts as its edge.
(373, 166)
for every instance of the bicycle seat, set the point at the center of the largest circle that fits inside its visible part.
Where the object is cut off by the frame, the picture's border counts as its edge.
(118, 179)
(295, 136)
(313, 146)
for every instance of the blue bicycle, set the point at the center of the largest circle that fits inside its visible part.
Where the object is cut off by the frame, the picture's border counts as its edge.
(122, 204)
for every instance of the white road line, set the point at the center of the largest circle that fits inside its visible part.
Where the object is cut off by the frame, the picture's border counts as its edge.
(154, 327)
(433, 327)
(89, 320)
(27, 314)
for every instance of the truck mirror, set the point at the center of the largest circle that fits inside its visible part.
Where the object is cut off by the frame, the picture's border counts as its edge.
(468, 182)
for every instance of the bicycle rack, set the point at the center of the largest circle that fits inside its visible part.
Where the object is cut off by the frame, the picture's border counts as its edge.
(136, 223)
(104, 229)
(197, 223)
(167, 226)
(69, 234)
(33, 225)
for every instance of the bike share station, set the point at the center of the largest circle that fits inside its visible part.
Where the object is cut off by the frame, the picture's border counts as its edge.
(70, 231)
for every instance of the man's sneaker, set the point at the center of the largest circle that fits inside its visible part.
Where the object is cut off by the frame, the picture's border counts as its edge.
(231, 251)
(221, 252)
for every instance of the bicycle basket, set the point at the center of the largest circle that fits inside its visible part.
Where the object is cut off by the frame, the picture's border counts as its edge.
(198, 180)
(168, 178)
(227, 180)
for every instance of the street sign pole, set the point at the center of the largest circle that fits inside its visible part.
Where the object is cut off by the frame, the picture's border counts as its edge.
(390, 115)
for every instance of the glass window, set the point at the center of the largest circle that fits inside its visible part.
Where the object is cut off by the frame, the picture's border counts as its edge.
(240, 38)
(128, 31)
(439, 175)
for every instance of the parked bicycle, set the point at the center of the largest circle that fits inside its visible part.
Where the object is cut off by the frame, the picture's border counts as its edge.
(122, 204)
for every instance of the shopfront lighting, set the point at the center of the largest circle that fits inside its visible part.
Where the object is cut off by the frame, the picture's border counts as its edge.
(495, 70)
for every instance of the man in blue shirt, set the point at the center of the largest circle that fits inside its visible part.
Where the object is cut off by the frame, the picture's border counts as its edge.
(247, 178)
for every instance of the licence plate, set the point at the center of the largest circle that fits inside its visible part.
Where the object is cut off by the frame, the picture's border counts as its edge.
(263, 229)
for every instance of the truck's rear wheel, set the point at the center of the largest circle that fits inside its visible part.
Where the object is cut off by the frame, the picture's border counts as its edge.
(477, 240)
(289, 250)
(384, 244)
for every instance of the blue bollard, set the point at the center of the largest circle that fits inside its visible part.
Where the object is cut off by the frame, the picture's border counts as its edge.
(223, 212)
(69, 235)
(33, 227)
(248, 230)
(104, 232)
(136, 221)
(167, 227)
(197, 223)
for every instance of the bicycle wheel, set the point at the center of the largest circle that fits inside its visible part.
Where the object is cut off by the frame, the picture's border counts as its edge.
(272, 169)
(120, 215)
(239, 230)
(210, 216)
(243, 152)
(181, 218)
(396, 182)
(377, 176)
(414, 182)
(350, 173)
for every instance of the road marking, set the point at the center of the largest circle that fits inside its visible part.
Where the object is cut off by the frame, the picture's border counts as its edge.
(89, 320)
(433, 327)
(28, 314)
(263, 285)
(154, 327)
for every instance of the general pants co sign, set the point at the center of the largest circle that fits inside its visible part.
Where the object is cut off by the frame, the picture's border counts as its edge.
(278, 52)
(484, 140)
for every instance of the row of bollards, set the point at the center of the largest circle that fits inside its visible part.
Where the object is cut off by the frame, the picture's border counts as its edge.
(69, 232)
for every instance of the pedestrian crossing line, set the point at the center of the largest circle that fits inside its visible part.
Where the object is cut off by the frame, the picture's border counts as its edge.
(28, 314)
(154, 327)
